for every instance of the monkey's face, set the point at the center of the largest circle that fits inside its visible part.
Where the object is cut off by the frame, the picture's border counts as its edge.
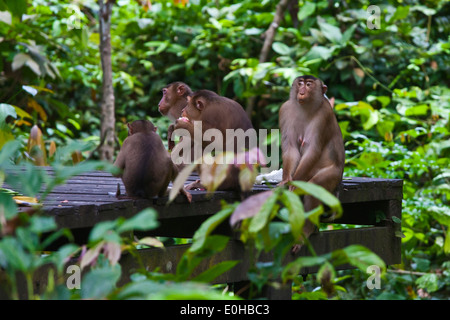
(309, 89)
(193, 110)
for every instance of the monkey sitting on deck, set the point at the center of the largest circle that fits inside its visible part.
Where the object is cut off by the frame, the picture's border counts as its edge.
(311, 140)
(312, 148)
(147, 168)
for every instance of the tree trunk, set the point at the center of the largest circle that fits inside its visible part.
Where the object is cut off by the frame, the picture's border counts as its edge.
(107, 130)
(270, 35)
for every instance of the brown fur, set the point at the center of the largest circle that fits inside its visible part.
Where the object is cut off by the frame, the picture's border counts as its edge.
(311, 140)
(216, 112)
(146, 165)
(172, 103)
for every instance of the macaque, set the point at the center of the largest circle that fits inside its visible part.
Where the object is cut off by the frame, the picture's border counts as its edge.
(311, 140)
(172, 103)
(147, 168)
(215, 112)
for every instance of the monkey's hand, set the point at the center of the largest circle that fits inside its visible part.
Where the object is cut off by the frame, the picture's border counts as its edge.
(186, 194)
(283, 182)
(171, 143)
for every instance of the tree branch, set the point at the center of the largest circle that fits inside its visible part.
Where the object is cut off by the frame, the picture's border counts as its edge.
(268, 41)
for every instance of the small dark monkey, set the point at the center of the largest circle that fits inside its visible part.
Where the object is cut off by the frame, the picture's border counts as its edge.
(215, 112)
(147, 168)
(172, 103)
(311, 140)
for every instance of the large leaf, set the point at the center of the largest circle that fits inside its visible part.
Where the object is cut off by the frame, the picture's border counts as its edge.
(249, 207)
(215, 271)
(260, 220)
(207, 227)
(147, 219)
(100, 282)
(429, 282)
(320, 193)
(330, 32)
(5, 111)
(293, 269)
(8, 151)
(358, 256)
(296, 212)
(100, 229)
(306, 10)
(17, 7)
(281, 48)
(12, 255)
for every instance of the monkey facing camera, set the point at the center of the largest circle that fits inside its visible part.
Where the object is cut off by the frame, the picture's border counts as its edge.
(311, 140)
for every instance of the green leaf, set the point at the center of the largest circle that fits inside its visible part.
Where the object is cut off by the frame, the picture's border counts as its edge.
(296, 212)
(147, 219)
(8, 206)
(306, 10)
(321, 52)
(207, 227)
(293, 269)
(13, 257)
(330, 32)
(8, 151)
(5, 111)
(100, 282)
(447, 242)
(281, 48)
(348, 33)
(260, 220)
(396, 219)
(358, 256)
(401, 13)
(441, 214)
(17, 7)
(428, 282)
(419, 110)
(216, 270)
(314, 215)
(60, 257)
(42, 224)
(30, 180)
(320, 193)
(100, 229)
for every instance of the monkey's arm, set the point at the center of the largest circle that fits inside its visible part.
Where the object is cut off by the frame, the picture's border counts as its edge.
(171, 142)
(308, 161)
(120, 160)
(291, 158)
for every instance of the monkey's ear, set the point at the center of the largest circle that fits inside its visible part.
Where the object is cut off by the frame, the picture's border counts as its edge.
(181, 90)
(130, 130)
(200, 105)
(155, 128)
(324, 88)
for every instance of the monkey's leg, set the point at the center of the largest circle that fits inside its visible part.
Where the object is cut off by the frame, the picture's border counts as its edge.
(328, 178)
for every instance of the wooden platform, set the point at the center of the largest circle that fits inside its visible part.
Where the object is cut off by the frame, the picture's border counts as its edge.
(89, 198)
